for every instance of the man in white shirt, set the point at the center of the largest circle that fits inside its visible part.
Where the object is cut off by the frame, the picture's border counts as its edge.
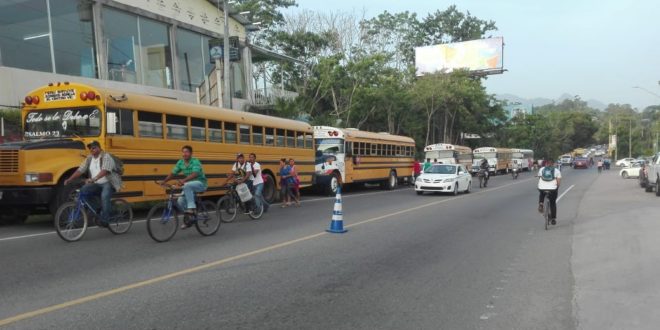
(549, 181)
(257, 182)
(103, 180)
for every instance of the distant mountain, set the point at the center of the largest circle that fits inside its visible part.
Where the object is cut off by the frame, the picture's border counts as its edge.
(539, 101)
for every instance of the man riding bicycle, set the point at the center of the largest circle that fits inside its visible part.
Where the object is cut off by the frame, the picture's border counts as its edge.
(194, 180)
(549, 181)
(102, 181)
(484, 170)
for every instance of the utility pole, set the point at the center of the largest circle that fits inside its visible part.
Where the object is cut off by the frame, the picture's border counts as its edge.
(630, 139)
(227, 101)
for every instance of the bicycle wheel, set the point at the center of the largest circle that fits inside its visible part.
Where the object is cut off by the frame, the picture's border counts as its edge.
(227, 208)
(208, 220)
(122, 219)
(162, 222)
(546, 211)
(256, 212)
(70, 221)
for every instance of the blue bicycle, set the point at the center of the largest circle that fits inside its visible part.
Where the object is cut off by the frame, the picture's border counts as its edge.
(72, 218)
(163, 218)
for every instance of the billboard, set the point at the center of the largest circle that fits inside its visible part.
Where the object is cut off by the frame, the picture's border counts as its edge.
(475, 55)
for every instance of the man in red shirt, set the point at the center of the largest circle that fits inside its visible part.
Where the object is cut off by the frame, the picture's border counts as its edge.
(417, 169)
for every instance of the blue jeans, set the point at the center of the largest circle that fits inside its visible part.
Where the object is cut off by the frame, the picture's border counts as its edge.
(105, 191)
(259, 196)
(187, 201)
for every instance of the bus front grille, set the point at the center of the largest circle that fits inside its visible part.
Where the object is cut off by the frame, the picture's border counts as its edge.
(8, 161)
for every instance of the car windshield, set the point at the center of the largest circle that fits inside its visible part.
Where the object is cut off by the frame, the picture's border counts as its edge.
(442, 169)
(58, 123)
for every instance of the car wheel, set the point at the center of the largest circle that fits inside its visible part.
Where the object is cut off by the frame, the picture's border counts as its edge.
(624, 174)
(456, 189)
(469, 187)
(657, 191)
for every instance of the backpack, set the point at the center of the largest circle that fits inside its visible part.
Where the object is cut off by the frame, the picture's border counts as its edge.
(119, 164)
(548, 173)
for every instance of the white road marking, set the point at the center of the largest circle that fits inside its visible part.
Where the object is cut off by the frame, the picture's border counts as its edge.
(564, 193)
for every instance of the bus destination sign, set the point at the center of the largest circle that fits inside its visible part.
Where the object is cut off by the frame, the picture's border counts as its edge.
(60, 95)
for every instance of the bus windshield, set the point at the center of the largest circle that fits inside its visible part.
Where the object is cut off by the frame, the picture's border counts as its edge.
(483, 155)
(329, 146)
(439, 154)
(58, 123)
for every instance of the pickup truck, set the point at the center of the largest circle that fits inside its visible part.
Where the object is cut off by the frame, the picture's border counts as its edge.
(653, 175)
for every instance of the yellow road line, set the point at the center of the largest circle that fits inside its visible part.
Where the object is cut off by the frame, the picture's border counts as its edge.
(195, 269)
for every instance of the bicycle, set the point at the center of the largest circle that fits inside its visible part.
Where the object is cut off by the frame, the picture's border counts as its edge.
(163, 218)
(71, 218)
(483, 178)
(229, 205)
(546, 209)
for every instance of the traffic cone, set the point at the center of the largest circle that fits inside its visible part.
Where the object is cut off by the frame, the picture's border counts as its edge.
(337, 223)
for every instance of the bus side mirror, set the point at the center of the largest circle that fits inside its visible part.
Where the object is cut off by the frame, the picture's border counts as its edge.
(111, 123)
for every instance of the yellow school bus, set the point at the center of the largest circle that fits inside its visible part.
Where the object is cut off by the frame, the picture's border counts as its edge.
(499, 159)
(147, 134)
(346, 155)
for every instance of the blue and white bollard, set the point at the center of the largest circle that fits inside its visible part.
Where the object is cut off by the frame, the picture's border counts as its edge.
(337, 223)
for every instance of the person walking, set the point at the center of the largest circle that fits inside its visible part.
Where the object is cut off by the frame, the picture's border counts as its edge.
(417, 170)
(427, 165)
(285, 192)
(294, 181)
(257, 182)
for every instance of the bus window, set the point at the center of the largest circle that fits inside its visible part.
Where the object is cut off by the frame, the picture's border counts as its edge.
(373, 149)
(290, 139)
(245, 134)
(177, 127)
(300, 139)
(230, 133)
(150, 124)
(309, 141)
(258, 135)
(270, 136)
(215, 131)
(397, 151)
(123, 124)
(198, 129)
(280, 137)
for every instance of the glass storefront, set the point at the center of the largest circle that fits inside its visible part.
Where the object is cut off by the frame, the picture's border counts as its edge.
(62, 44)
(57, 36)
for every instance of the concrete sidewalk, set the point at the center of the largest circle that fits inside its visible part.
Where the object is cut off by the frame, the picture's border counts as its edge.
(616, 256)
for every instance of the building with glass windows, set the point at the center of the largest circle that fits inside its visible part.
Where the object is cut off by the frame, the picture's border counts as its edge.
(155, 47)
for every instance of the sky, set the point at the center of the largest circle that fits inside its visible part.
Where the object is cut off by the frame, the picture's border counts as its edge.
(598, 49)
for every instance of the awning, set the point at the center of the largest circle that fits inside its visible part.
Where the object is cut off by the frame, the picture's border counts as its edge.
(261, 54)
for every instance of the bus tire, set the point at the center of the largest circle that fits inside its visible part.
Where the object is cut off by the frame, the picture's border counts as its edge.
(269, 189)
(391, 182)
(333, 184)
(64, 194)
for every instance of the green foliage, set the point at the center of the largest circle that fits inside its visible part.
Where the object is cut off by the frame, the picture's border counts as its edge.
(265, 11)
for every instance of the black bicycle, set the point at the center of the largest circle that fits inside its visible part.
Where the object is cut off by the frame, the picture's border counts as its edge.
(230, 204)
(72, 218)
(163, 218)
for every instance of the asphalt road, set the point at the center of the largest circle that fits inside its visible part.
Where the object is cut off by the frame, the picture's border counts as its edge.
(476, 261)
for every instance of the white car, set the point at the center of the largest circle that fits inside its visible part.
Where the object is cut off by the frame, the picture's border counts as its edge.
(632, 171)
(625, 162)
(448, 178)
